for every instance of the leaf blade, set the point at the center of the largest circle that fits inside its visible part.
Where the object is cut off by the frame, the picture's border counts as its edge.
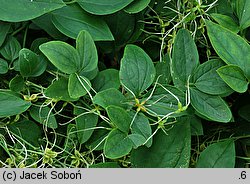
(70, 20)
(62, 55)
(231, 48)
(218, 155)
(167, 151)
(234, 77)
(26, 10)
(12, 105)
(117, 144)
(212, 107)
(137, 71)
(185, 58)
(103, 7)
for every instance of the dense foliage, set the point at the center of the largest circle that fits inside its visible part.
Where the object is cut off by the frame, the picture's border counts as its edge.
(124, 83)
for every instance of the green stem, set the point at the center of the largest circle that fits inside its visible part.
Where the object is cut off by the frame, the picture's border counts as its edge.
(19, 29)
(25, 36)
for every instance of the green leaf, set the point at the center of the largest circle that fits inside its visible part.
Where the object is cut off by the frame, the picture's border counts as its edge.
(207, 80)
(162, 102)
(4, 67)
(218, 155)
(119, 117)
(167, 151)
(86, 49)
(17, 83)
(110, 97)
(21, 10)
(117, 144)
(106, 79)
(137, 140)
(43, 115)
(212, 107)
(85, 124)
(185, 58)
(78, 86)
(138, 28)
(96, 141)
(58, 90)
(31, 65)
(122, 32)
(62, 55)
(27, 130)
(196, 125)
(70, 20)
(10, 49)
(103, 7)
(137, 71)
(137, 5)
(243, 12)
(231, 48)
(223, 7)
(90, 74)
(11, 104)
(142, 127)
(36, 43)
(226, 21)
(4, 29)
(45, 22)
(163, 71)
(234, 77)
(244, 112)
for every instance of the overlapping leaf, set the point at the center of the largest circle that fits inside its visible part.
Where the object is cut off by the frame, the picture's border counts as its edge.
(21, 10)
(70, 20)
(231, 48)
(167, 150)
(103, 7)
